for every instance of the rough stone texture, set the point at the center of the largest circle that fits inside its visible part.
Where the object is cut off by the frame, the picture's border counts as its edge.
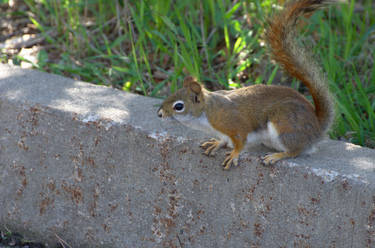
(96, 167)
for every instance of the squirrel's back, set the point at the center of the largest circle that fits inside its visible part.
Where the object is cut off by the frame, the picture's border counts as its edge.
(295, 60)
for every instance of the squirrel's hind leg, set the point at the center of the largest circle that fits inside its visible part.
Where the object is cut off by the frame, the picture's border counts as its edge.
(292, 130)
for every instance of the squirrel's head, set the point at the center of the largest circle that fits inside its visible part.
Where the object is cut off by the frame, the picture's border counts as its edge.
(189, 100)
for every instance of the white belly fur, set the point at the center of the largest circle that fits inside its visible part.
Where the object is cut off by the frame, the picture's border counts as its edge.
(201, 123)
(272, 138)
(269, 136)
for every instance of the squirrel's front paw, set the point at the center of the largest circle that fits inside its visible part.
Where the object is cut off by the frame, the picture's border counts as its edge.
(270, 159)
(232, 157)
(211, 146)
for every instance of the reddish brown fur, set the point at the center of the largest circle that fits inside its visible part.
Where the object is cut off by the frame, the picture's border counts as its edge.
(289, 119)
(281, 28)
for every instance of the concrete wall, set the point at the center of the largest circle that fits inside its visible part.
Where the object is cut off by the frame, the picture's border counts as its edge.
(96, 167)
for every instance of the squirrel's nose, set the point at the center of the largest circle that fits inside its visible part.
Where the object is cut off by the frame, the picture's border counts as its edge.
(160, 112)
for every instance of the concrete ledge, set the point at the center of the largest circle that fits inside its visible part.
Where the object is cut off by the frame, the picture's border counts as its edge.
(96, 167)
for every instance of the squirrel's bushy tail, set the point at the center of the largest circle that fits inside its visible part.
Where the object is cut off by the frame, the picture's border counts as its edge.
(280, 36)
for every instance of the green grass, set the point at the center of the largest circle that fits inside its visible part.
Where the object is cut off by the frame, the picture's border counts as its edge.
(148, 47)
(346, 51)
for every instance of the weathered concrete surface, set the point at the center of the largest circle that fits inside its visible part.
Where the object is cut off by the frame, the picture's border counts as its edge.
(96, 167)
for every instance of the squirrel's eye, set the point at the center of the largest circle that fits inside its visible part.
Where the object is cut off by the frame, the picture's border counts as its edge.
(178, 106)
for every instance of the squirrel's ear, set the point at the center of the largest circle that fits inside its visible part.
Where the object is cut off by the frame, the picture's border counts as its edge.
(192, 84)
(188, 80)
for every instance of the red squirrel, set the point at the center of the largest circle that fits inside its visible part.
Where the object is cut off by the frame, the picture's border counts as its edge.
(277, 116)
